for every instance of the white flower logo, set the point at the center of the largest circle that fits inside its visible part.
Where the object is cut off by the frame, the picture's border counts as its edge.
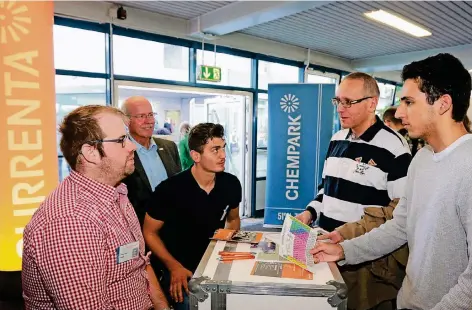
(11, 21)
(289, 103)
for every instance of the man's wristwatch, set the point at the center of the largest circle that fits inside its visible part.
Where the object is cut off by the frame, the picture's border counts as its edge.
(312, 212)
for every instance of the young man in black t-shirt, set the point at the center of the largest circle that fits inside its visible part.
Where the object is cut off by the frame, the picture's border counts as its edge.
(186, 209)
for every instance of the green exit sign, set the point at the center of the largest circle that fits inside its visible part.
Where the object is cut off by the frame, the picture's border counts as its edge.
(208, 73)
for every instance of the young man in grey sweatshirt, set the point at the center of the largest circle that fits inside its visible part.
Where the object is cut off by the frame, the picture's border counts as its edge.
(435, 215)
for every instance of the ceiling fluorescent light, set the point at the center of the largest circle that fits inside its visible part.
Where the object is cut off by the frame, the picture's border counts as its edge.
(398, 23)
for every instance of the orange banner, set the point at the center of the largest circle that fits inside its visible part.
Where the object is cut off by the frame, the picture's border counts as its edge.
(28, 156)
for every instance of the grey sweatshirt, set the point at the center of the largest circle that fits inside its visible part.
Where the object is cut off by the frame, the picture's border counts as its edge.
(435, 218)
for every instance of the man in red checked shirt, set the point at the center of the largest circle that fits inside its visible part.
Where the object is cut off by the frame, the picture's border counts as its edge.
(83, 248)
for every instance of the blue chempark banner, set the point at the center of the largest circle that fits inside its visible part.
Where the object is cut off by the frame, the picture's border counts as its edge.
(300, 128)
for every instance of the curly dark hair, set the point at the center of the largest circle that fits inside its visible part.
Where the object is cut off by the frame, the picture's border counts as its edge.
(202, 133)
(440, 75)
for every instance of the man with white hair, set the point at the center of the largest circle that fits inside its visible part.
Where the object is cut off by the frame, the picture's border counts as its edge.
(155, 159)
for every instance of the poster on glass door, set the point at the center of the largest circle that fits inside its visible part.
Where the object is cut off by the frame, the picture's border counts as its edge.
(300, 128)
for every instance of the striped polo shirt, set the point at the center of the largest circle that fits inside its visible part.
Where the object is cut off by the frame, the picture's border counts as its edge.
(368, 171)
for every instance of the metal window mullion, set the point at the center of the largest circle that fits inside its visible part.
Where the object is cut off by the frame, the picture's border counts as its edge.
(109, 65)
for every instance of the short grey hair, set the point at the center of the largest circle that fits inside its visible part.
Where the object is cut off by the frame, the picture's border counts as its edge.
(371, 88)
(124, 107)
(184, 126)
(130, 100)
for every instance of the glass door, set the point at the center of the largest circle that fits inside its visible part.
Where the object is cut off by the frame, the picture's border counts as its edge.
(231, 109)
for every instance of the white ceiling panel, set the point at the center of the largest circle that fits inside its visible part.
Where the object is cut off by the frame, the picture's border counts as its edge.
(342, 30)
(181, 9)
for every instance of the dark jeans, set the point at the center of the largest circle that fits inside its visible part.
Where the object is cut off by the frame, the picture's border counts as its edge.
(385, 305)
(165, 283)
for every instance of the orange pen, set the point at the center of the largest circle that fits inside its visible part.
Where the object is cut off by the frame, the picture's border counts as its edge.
(232, 258)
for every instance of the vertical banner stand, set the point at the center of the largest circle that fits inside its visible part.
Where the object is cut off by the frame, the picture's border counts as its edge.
(300, 128)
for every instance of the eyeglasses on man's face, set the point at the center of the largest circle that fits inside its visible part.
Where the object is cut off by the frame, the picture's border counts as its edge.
(121, 140)
(144, 116)
(347, 103)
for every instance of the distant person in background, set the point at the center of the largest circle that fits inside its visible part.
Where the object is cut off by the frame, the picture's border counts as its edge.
(185, 159)
(168, 126)
(163, 131)
(396, 124)
(155, 159)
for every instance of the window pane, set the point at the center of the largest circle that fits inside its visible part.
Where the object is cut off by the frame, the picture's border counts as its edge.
(149, 59)
(78, 49)
(386, 96)
(72, 92)
(235, 70)
(260, 194)
(319, 79)
(398, 92)
(270, 72)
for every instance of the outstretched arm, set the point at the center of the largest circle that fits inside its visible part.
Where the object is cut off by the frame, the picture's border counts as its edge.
(380, 241)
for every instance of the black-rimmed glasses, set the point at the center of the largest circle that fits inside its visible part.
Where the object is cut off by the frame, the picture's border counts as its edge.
(121, 140)
(143, 116)
(348, 103)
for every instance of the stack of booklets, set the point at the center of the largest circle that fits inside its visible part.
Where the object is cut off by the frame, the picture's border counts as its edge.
(231, 235)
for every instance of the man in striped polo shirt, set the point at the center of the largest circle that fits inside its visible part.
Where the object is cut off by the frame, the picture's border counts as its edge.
(366, 163)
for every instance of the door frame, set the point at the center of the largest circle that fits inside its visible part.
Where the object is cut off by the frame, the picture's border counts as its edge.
(245, 207)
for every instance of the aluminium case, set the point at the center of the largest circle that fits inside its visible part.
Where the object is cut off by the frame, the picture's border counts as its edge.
(230, 286)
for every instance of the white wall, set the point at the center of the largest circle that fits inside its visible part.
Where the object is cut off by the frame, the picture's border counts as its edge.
(198, 113)
(185, 110)
(160, 105)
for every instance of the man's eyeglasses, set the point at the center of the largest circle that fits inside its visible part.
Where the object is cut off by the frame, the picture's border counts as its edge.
(348, 103)
(121, 140)
(143, 116)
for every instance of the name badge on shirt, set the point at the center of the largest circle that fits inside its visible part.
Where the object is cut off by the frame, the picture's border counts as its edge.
(224, 213)
(126, 252)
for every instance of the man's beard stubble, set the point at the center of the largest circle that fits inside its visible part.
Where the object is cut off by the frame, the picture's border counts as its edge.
(112, 172)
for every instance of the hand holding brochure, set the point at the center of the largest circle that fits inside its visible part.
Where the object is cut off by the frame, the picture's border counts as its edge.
(297, 239)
